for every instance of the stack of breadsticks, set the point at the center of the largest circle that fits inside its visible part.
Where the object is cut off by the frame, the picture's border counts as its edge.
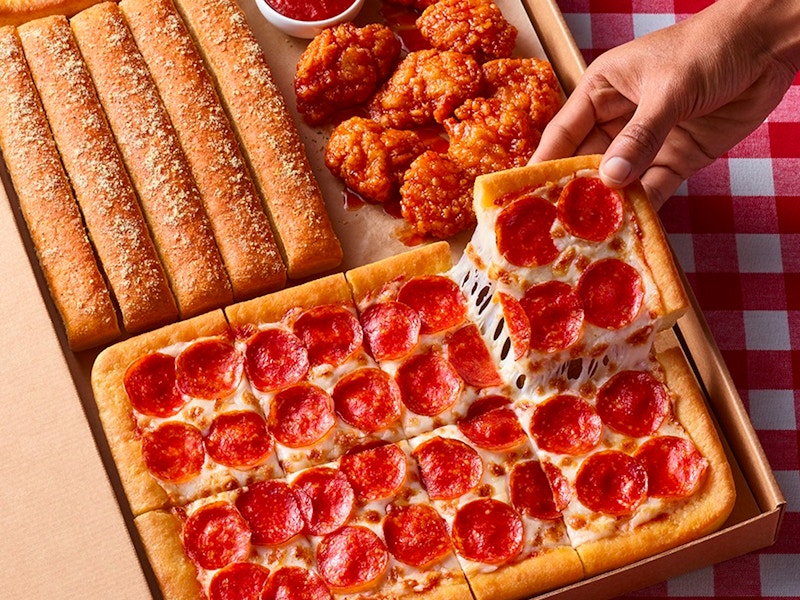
(156, 164)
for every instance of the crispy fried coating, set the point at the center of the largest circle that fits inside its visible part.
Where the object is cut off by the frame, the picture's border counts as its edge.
(475, 27)
(528, 83)
(436, 196)
(487, 135)
(342, 67)
(426, 87)
(370, 158)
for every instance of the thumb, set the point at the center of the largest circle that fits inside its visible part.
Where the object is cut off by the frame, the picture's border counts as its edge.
(636, 145)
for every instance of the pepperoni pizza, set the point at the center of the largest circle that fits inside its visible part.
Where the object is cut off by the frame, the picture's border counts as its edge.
(490, 429)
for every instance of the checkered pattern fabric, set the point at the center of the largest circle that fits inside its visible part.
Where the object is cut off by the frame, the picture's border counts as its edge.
(735, 227)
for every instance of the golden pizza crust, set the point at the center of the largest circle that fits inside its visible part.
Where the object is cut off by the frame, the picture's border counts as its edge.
(332, 289)
(675, 302)
(161, 533)
(548, 570)
(426, 260)
(700, 514)
(143, 491)
(16, 12)
(455, 590)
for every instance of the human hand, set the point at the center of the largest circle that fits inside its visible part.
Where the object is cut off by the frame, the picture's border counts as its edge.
(665, 105)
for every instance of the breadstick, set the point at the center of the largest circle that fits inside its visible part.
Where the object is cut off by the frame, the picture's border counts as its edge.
(267, 133)
(240, 225)
(48, 206)
(154, 159)
(16, 12)
(101, 185)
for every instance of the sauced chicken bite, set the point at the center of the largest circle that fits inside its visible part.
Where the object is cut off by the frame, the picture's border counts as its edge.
(436, 196)
(475, 27)
(427, 86)
(342, 67)
(528, 83)
(371, 158)
(486, 136)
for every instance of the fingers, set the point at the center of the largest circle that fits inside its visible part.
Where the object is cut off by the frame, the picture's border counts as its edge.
(633, 150)
(567, 130)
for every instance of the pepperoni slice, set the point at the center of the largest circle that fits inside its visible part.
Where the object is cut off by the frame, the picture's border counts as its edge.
(438, 300)
(566, 424)
(391, 329)
(296, 583)
(562, 491)
(275, 358)
(216, 535)
(351, 558)
(325, 498)
(416, 535)
(612, 293)
(375, 471)
(209, 369)
(151, 386)
(490, 423)
(272, 512)
(239, 581)
(471, 358)
(555, 316)
(611, 482)
(368, 399)
(174, 451)
(518, 324)
(590, 210)
(674, 466)
(301, 415)
(429, 384)
(239, 439)
(523, 232)
(449, 467)
(331, 333)
(531, 493)
(633, 402)
(487, 531)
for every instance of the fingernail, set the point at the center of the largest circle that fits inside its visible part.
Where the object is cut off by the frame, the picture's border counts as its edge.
(616, 170)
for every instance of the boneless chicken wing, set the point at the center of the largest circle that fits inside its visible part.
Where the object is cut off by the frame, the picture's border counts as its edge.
(425, 88)
(371, 158)
(528, 83)
(486, 135)
(342, 67)
(436, 196)
(475, 27)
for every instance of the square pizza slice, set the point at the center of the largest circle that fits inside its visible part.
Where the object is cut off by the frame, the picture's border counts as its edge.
(179, 415)
(503, 516)
(417, 324)
(372, 528)
(574, 277)
(305, 359)
(636, 459)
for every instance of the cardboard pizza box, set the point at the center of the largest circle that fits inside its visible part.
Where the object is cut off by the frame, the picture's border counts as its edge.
(64, 521)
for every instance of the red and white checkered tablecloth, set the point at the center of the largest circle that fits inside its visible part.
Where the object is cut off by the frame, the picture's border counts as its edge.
(735, 227)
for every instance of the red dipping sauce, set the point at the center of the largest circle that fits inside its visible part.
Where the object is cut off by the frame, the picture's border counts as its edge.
(302, 10)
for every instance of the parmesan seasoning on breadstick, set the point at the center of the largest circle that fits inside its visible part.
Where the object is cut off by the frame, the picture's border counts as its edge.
(102, 188)
(240, 225)
(155, 161)
(48, 205)
(267, 133)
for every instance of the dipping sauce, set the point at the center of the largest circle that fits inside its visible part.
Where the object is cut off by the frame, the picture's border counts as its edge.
(302, 10)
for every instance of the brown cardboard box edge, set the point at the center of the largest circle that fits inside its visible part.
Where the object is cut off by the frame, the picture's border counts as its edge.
(64, 531)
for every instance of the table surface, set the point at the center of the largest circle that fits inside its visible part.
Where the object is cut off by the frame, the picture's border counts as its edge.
(735, 227)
